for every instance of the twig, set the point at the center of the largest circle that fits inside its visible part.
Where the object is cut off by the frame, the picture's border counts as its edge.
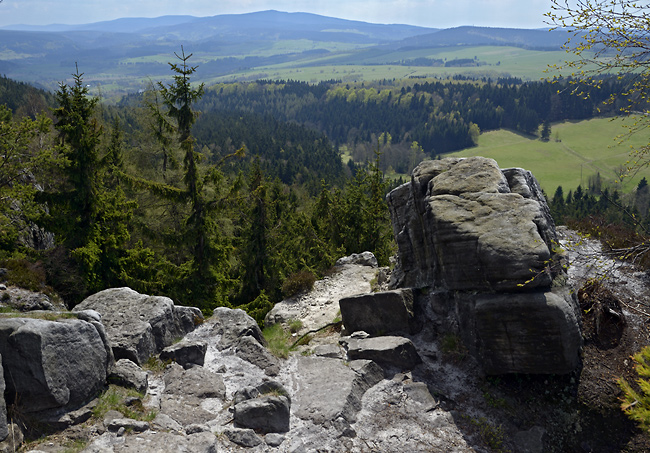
(332, 324)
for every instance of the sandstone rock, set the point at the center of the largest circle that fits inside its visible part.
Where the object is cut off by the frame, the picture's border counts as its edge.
(127, 424)
(460, 226)
(139, 326)
(362, 259)
(127, 374)
(155, 442)
(388, 351)
(243, 437)
(233, 325)
(196, 382)
(329, 389)
(378, 313)
(52, 364)
(13, 440)
(250, 350)
(274, 439)
(185, 353)
(268, 414)
(535, 332)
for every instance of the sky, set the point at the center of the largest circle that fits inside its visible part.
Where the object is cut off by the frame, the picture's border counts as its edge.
(427, 13)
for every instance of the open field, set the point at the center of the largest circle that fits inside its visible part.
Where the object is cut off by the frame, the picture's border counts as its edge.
(584, 149)
(497, 61)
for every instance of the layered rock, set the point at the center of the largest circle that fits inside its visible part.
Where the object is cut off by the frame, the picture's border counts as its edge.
(51, 365)
(140, 326)
(484, 239)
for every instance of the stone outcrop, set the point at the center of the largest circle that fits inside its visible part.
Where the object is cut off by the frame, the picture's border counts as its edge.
(51, 365)
(483, 239)
(129, 375)
(379, 313)
(387, 351)
(185, 353)
(465, 225)
(140, 326)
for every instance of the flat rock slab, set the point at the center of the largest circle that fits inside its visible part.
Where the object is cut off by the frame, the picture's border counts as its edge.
(330, 389)
(397, 352)
(378, 313)
(155, 442)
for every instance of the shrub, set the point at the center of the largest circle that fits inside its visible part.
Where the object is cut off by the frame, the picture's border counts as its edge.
(24, 274)
(636, 402)
(299, 282)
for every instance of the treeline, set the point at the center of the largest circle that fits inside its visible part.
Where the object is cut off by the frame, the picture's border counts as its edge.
(621, 221)
(437, 114)
(236, 209)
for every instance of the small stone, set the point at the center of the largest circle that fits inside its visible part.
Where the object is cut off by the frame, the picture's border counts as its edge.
(274, 439)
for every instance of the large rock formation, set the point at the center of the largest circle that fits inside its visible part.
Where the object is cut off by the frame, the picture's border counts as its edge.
(485, 238)
(51, 365)
(140, 326)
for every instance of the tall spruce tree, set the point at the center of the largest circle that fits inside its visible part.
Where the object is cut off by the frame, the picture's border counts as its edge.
(203, 276)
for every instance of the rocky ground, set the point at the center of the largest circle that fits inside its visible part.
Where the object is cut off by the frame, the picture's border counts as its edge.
(445, 404)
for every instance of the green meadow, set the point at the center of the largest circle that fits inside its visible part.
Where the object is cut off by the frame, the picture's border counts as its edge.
(576, 151)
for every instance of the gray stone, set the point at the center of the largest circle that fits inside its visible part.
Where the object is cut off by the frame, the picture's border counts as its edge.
(266, 414)
(157, 442)
(274, 439)
(127, 374)
(535, 332)
(53, 364)
(166, 423)
(139, 326)
(249, 349)
(378, 313)
(196, 382)
(459, 225)
(185, 353)
(243, 437)
(13, 440)
(330, 389)
(233, 325)
(362, 259)
(185, 410)
(389, 351)
(196, 428)
(332, 351)
(419, 393)
(127, 424)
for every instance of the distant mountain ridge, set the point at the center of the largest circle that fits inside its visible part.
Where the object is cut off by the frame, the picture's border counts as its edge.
(126, 53)
(250, 24)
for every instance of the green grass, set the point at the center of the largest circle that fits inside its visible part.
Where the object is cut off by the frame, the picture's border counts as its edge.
(585, 148)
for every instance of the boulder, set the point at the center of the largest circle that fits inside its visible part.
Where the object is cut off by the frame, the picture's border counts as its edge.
(378, 313)
(243, 437)
(196, 382)
(362, 259)
(535, 332)
(459, 225)
(267, 414)
(52, 364)
(140, 326)
(330, 389)
(127, 374)
(186, 353)
(250, 350)
(388, 351)
(232, 325)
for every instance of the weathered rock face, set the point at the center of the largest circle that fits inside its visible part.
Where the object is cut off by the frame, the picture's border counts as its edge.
(484, 239)
(379, 313)
(463, 224)
(53, 364)
(140, 326)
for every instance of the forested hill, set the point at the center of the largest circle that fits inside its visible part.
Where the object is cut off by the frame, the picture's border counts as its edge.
(441, 115)
(484, 36)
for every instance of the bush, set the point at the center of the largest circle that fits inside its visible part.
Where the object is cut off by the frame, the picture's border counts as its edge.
(299, 282)
(24, 274)
(636, 402)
